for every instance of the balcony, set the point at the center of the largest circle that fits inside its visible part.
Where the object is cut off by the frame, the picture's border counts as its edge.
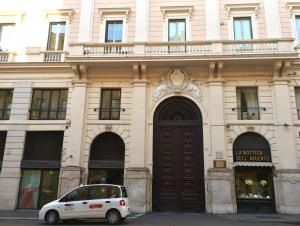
(221, 49)
(6, 57)
(53, 56)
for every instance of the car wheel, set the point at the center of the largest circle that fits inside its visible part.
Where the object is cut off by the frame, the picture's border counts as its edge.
(52, 217)
(113, 217)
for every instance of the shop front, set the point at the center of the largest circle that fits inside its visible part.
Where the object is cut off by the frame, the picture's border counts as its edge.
(253, 174)
(40, 169)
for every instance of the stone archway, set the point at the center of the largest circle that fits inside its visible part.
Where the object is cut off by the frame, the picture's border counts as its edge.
(178, 165)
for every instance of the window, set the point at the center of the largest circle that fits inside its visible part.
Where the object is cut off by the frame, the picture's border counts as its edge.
(297, 96)
(104, 192)
(2, 146)
(110, 104)
(78, 194)
(43, 146)
(242, 28)
(6, 33)
(49, 104)
(254, 183)
(176, 30)
(5, 103)
(247, 103)
(298, 29)
(56, 36)
(114, 31)
(37, 188)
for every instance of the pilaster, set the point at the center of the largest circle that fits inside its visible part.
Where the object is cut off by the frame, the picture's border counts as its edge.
(284, 131)
(272, 18)
(74, 136)
(137, 176)
(217, 121)
(86, 20)
(141, 21)
(212, 15)
(14, 147)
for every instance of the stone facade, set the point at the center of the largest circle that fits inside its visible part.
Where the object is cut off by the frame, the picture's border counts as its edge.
(206, 69)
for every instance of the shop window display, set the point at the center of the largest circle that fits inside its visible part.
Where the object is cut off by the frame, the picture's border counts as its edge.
(253, 183)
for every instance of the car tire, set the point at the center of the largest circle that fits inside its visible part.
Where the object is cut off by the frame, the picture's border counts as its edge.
(113, 217)
(52, 217)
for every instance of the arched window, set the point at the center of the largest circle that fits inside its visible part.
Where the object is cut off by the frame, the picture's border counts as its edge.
(106, 163)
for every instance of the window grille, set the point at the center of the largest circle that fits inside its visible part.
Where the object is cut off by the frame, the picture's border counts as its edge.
(43, 145)
(107, 146)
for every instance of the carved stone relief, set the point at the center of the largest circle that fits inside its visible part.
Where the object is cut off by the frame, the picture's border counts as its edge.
(177, 80)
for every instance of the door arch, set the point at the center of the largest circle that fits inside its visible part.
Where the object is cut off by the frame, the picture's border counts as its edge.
(178, 165)
(106, 162)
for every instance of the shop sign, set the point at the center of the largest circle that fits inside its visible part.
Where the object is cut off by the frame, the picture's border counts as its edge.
(252, 156)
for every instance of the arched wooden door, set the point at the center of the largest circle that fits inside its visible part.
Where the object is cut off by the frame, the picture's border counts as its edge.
(178, 168)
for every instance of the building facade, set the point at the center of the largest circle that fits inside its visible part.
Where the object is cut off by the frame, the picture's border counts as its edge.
(193, 105)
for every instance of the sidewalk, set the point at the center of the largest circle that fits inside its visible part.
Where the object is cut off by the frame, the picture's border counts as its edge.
(267, 218)
(19, 214)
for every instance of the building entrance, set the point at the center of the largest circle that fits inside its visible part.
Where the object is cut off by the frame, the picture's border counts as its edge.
(178, 169)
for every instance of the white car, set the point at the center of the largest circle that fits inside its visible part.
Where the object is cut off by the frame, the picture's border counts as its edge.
(106, 201)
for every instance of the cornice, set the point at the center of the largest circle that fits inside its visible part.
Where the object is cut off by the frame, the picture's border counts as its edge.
(34, 67)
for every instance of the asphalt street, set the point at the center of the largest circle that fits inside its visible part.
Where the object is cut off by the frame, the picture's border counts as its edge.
(188, 219)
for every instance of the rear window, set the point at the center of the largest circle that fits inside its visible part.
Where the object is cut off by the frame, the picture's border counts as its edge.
(124, 192)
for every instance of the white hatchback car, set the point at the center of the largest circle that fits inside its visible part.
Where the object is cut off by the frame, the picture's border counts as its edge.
(87, 202)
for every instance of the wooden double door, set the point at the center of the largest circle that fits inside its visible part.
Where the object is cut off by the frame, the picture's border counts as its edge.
(178, 170)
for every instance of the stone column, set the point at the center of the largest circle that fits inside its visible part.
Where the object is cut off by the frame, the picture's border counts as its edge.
(86, 20)
(14, 147)
(287, 177)
(218, 201)
(74, 136)
(137, 177)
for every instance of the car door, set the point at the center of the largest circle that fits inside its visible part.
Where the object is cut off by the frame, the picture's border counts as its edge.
(74, 204)
(96, 207)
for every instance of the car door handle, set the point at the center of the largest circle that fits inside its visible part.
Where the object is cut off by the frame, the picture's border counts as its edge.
(107, 201)
(84, 202)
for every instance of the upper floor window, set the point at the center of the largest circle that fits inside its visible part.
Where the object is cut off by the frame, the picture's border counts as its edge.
(114, 31)
(297, 96)
(6, 33)
(298, 29)
(56, 37)
(247, 103)
(110, 104)
(176, 30)
(49, 104)
(5, 103)
(242, 28)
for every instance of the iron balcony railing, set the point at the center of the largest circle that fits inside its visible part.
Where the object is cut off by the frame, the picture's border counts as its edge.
(249, 113)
